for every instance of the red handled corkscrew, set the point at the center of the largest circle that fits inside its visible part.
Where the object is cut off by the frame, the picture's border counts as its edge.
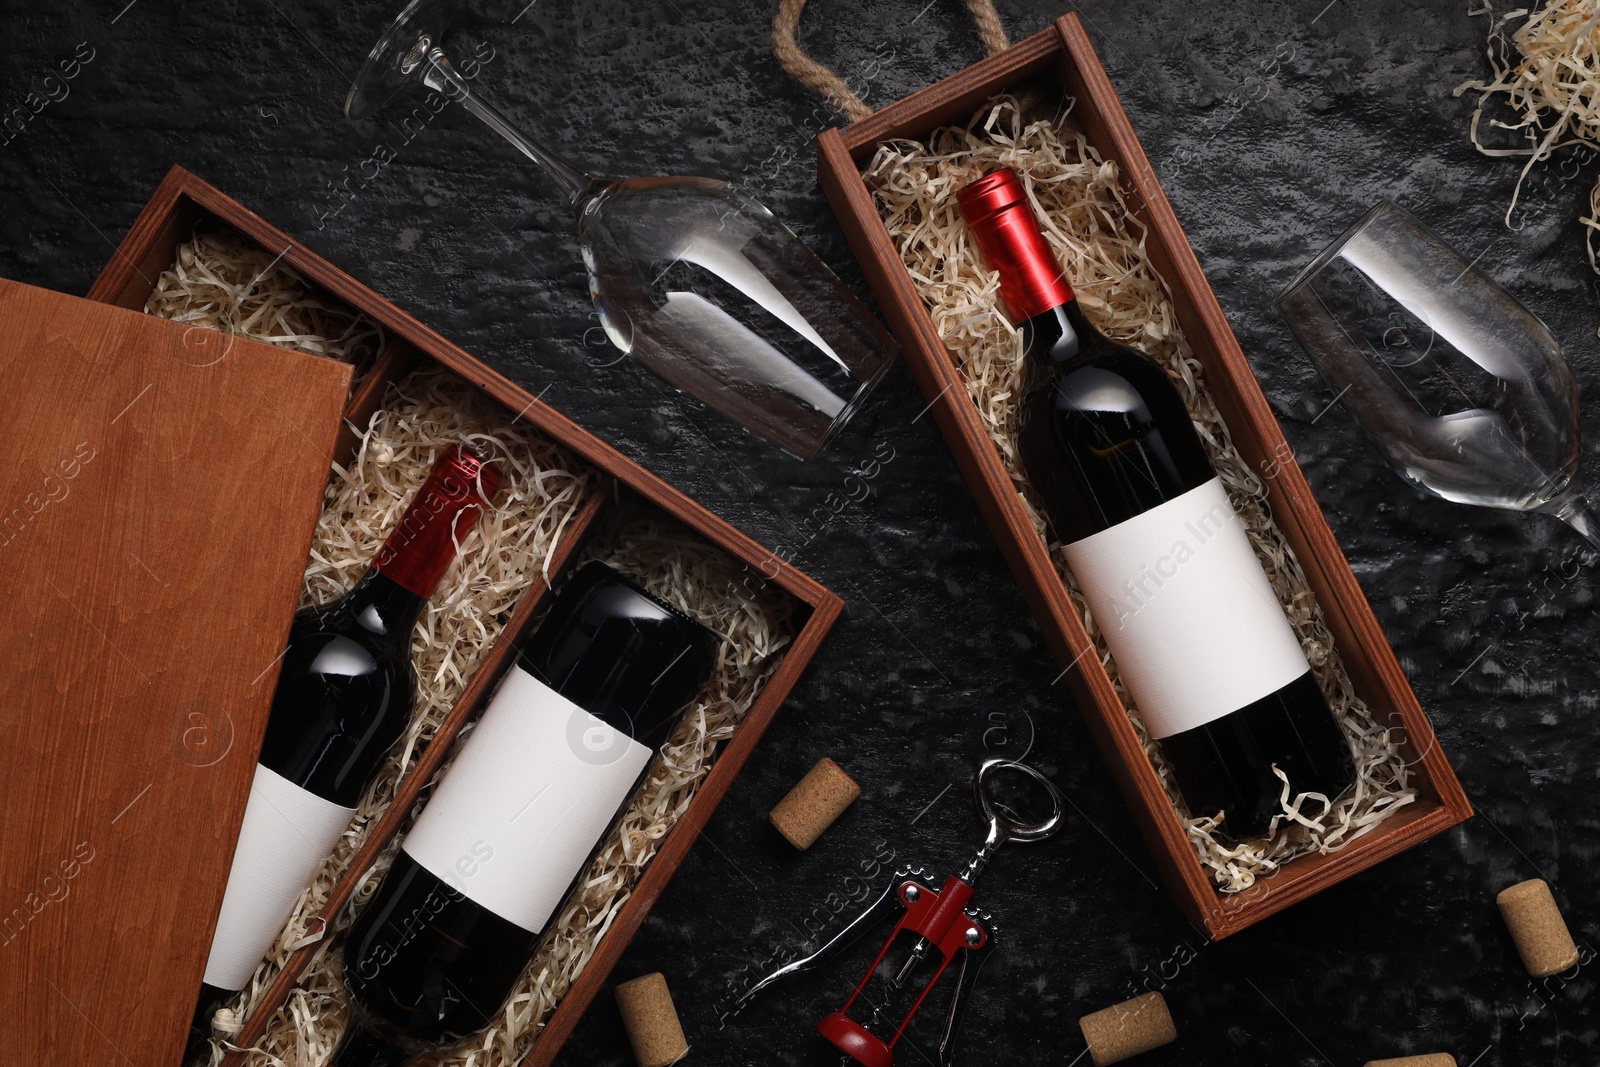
(942, 918)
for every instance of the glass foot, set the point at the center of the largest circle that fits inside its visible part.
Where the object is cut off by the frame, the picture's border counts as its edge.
(386, 72)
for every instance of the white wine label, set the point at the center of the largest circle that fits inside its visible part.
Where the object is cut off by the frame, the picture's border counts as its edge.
(286, 833)
(534, 787)
(1187, 611)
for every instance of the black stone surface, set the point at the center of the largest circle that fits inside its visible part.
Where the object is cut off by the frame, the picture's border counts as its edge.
(1273, 125)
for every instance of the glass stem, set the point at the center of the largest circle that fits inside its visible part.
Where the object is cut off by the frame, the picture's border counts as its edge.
(1573, 508)
(441, 77)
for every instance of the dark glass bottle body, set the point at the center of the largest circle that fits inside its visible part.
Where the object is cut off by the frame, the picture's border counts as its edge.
(1104, 437)
(426, 965)
(344, 695)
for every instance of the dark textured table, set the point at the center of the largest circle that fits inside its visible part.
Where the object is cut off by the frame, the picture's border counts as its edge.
(1273, 125)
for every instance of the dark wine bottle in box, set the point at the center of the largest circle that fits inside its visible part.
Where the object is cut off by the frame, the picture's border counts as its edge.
(568, 733)
(1154, 544)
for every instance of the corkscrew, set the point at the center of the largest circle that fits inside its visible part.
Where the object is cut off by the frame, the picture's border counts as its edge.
(943, 920)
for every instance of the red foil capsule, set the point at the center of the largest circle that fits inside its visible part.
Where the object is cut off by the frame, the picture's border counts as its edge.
(998, 213)
(439, 518)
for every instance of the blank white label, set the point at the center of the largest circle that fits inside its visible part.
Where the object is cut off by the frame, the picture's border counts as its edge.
(286, 833)
(536, 784)
(1187, 611)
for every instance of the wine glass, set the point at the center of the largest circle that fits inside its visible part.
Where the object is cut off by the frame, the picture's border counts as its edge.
(1464, 391)
(697, 280)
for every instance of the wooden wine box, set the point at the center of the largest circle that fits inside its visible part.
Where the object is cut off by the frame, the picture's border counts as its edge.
(183, 204)
(1061, 61)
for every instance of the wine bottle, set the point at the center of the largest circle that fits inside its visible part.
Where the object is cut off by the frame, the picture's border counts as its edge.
(561, 746)
(1154, 544)
(344, 695)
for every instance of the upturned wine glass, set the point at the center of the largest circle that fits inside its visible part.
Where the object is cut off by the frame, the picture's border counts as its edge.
(1464, 391)
(697, 280)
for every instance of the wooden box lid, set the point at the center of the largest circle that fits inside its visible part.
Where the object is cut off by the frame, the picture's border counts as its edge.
(156, 506)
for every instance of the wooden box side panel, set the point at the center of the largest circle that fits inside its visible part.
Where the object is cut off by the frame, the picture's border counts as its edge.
(392, 362)
(1310, 874)
(149, 247)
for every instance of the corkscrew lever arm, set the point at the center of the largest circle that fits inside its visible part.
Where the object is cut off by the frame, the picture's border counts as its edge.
(972, 962)
(887, 904)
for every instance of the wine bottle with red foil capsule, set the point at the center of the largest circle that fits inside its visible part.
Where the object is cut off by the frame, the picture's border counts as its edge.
(1197, 633)
(345, 692)
(570, 730)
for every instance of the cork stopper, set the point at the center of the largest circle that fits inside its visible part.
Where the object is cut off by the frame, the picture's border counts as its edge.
(1432, 1059)
(651, 1021)
(814, 803)
(1537, 928)
(1127, 1029)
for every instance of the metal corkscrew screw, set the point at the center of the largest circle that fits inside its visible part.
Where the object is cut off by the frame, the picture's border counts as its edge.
(943, 919)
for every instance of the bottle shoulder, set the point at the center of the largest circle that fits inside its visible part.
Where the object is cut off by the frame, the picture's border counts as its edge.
(1059, 346)
(1119, 361)
(1063, 338)
(1103, 431)
(1109, 381)
(619, 652)
(377, 614)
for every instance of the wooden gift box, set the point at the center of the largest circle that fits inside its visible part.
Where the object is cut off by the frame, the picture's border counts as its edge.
(183, 202)
(1062, 59)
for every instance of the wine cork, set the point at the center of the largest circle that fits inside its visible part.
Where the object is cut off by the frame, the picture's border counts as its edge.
(814, 803)
(1433, 1059)
(1127, 1029)
(1537, 928)
(651, 1020)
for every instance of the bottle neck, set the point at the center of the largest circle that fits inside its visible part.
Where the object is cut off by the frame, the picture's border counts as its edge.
(1001, 218)
(383, 607)
(360, 1047)
(423, 546)
(1058, 337)
(438, 519)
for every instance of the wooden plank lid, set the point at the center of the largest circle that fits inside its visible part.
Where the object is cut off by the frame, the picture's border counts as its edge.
(157, 501)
